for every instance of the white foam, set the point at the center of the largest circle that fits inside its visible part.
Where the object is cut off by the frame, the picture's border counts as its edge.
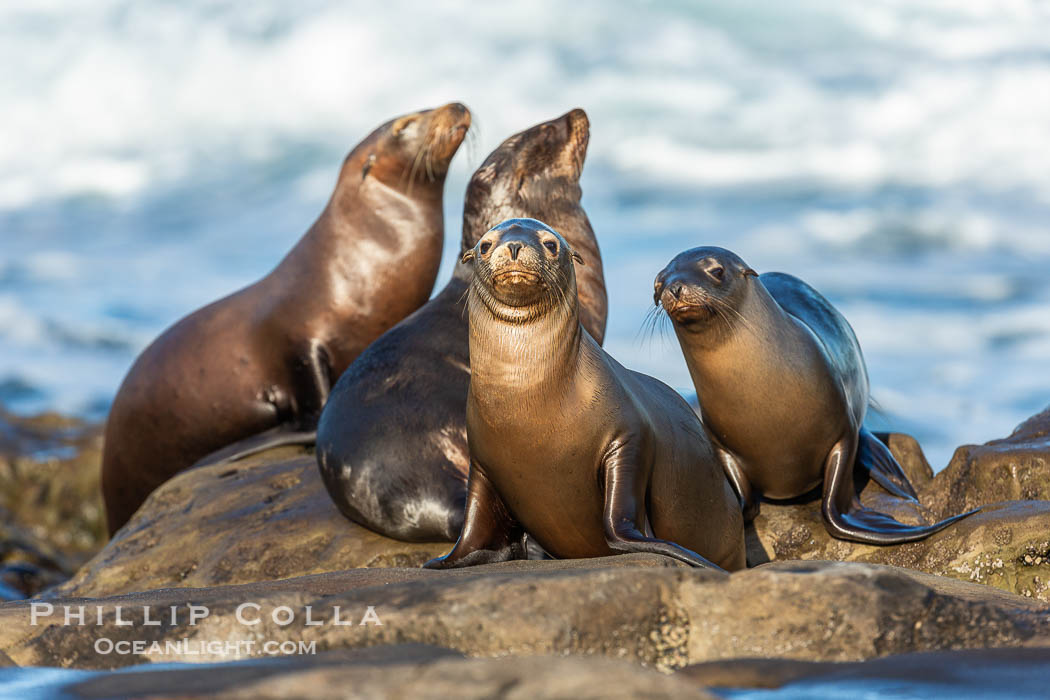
(130, 96)
(775, 130)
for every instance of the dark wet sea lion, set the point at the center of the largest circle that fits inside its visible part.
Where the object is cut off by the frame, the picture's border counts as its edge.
(783, 390)
(566, 445)
(392, 440)
(263, 358)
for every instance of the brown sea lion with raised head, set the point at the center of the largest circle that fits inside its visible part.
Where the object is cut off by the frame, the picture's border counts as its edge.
(783, 391)
(392, 440)
(255, 368)
(566, 445)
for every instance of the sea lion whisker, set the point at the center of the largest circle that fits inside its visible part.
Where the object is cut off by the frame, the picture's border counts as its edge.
(718, 303)
(417, 161)
(648, 326)
(428, 160)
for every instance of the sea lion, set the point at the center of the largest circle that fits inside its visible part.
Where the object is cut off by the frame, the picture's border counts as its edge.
(783, 391)
(257, 366)
(566, 445)
(392, 439)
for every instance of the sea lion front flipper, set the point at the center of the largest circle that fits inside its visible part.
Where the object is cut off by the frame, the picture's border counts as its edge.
(875, 456)
(750, 499)
(619, 470)
(297, 414)
(312, 379)
(278, 436)
(490, 533)
(845, 518)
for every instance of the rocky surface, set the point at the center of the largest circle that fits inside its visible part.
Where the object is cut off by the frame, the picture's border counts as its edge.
(630, 608)
(420, 671)
(259, 519)
(1006, 545)
(263, 531)
(1013, 468)
(399, 671)
(1010, 673)
(269, 517)
(51, 518)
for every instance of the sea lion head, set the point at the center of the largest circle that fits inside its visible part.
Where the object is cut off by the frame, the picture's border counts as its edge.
(701, 286)
(533, 173)
(522, 269)
(412, 150)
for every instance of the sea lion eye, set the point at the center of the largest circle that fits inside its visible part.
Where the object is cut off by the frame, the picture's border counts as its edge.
(717, 273)
(485, 247)
(551, 246)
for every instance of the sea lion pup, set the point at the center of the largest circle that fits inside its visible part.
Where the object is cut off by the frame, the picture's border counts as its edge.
(566, 445)
(783, 390)
(392, 440)
(260, 362)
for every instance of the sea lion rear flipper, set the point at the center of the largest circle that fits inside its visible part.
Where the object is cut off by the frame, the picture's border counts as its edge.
(875, 456)
(260, 442)
(490, 533)
(845, 518)
(619, 471)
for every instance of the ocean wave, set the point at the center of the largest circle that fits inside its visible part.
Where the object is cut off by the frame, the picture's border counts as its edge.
(159, 155)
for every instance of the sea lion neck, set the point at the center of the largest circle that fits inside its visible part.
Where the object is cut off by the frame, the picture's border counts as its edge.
(519, 357)
(369, 224)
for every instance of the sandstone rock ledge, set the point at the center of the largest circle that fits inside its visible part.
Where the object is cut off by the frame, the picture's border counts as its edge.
(1013, 468)
(259, 519)
(51, 518)
(1006, 545)
(632, 608)
(269, 517)
(399, 671)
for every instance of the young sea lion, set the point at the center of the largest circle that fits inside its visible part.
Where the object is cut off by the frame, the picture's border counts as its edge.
(783, 390)
(392, 440)
(260, 362)
(587, 457)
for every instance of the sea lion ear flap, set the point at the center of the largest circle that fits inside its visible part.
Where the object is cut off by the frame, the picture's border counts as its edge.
(748, 272)
(578, 258)
(467, 256)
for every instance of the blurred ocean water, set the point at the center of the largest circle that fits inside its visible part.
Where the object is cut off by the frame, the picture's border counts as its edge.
(155, 156)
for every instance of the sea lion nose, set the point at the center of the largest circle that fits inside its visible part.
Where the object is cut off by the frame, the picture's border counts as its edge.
(514, 247)
(676, 290)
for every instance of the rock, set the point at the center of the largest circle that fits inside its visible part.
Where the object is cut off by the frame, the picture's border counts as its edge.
(628, 608)
(795, 530)
(1011, 673)
(535, 677)
(1014, 468)
(910, 456)
(262, 518)
(759, 673)
(1006, 545)
(51, 518)
(23, 579)
(414, 671)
